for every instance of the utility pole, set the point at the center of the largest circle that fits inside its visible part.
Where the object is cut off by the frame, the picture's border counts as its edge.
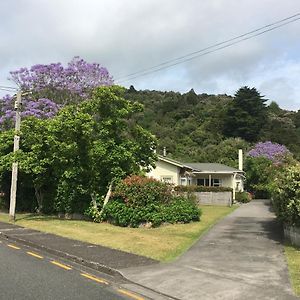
(14, 174)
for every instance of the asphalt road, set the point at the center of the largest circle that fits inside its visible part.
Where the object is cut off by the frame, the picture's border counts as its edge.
(28, 274)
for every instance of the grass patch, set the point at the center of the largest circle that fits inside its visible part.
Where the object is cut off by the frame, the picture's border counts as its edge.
(293, 259)
(164, 243)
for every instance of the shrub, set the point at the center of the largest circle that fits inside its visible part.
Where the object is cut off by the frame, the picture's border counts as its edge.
(199, 188)
(179, 210)
(286, 196)
(137, 200)
(243, 197)
(139, 191)
(71, 197)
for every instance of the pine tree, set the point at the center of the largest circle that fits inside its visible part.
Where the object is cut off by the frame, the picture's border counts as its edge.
(246, 115)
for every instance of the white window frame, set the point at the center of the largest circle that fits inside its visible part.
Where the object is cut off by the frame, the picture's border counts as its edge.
(183, 181)
(167, 179)
(219, 183)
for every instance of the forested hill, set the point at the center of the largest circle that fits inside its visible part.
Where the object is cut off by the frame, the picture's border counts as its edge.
(210, 128)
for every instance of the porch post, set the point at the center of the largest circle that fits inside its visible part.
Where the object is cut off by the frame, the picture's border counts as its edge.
(209, 180)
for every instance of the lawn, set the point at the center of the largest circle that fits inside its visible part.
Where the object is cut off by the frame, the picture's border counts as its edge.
(164, 243)
(293, 259)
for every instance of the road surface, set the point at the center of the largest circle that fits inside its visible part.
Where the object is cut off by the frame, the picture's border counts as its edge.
(29, 274)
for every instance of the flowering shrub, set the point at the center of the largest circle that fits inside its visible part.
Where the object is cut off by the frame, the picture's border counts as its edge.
(137, 200)
(138, 191)
(273, 151)
(286, 196)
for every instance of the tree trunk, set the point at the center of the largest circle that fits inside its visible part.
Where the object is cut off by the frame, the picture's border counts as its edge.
(107, 197)
(40, 198)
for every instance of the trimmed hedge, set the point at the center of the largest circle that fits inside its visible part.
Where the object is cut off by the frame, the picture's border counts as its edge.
(199, 188)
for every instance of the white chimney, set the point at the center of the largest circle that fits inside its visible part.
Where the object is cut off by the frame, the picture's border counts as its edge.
(241, 159)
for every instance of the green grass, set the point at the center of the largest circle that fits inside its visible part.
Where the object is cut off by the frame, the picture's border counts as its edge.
(164, 243)
(293, 259)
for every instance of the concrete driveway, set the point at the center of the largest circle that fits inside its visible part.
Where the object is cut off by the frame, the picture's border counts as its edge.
(240, 258)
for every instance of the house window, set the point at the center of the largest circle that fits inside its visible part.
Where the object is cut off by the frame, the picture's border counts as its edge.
(216, 182)
(167, 179)
(203, 181)
(183, 181)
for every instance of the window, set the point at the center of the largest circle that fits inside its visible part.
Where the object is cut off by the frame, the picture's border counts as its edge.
(203, 181)
(183, 181)
(216, 182)
(167, 179)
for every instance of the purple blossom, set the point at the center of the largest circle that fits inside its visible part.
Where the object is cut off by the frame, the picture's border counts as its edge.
(272, 151)
(42, 108)
(53, 86)
(78, 79)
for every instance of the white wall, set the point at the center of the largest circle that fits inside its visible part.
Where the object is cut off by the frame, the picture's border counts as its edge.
(226, 178)
(164, 169)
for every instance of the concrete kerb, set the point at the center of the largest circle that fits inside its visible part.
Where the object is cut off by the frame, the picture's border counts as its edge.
(90, 264)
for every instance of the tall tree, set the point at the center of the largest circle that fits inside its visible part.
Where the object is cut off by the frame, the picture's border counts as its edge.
(246, 115)
(52, 86)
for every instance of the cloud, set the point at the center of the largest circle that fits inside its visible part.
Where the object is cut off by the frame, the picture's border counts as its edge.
(130, 35)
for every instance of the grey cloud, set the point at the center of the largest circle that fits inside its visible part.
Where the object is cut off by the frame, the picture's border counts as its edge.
(129, 35)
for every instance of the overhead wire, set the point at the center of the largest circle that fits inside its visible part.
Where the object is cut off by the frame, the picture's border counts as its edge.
(196, 54)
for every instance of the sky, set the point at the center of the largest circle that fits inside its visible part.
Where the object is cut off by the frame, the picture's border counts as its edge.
(126, 36)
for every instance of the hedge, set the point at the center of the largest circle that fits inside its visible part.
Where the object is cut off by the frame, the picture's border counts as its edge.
(199, 188)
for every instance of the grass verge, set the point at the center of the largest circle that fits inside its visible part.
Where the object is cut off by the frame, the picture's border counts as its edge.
(164, 243)
(293, 258)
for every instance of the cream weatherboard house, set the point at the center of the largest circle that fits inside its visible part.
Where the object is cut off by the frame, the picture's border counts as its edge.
(204, 174)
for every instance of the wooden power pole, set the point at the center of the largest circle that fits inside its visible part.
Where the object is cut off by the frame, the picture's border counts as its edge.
(14, 174)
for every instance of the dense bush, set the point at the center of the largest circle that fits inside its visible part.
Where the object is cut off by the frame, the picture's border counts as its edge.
(179, 210)
(138, 191)
(138, 200)
(243, 197)
(286, 196)
(198, 188)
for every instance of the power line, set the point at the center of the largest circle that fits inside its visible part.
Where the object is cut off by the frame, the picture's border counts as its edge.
(193, 55)
(8, 88)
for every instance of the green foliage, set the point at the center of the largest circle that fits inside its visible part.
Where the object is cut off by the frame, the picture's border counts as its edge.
(138, 191)
(246, 115)
(80, 151)
(243, 197)
(286, 195)
(192, 126)
(198, 188)
(179, 210)
(259, 176)
(138, 200)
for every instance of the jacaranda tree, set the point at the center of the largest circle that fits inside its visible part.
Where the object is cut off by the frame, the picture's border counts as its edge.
(263, 163)
(53, 86)
(73, 157)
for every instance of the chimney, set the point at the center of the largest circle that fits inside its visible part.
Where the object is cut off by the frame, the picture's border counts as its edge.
(164, 152)
(241, 159)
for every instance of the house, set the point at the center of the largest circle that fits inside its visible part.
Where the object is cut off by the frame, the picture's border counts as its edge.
(203, 174)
